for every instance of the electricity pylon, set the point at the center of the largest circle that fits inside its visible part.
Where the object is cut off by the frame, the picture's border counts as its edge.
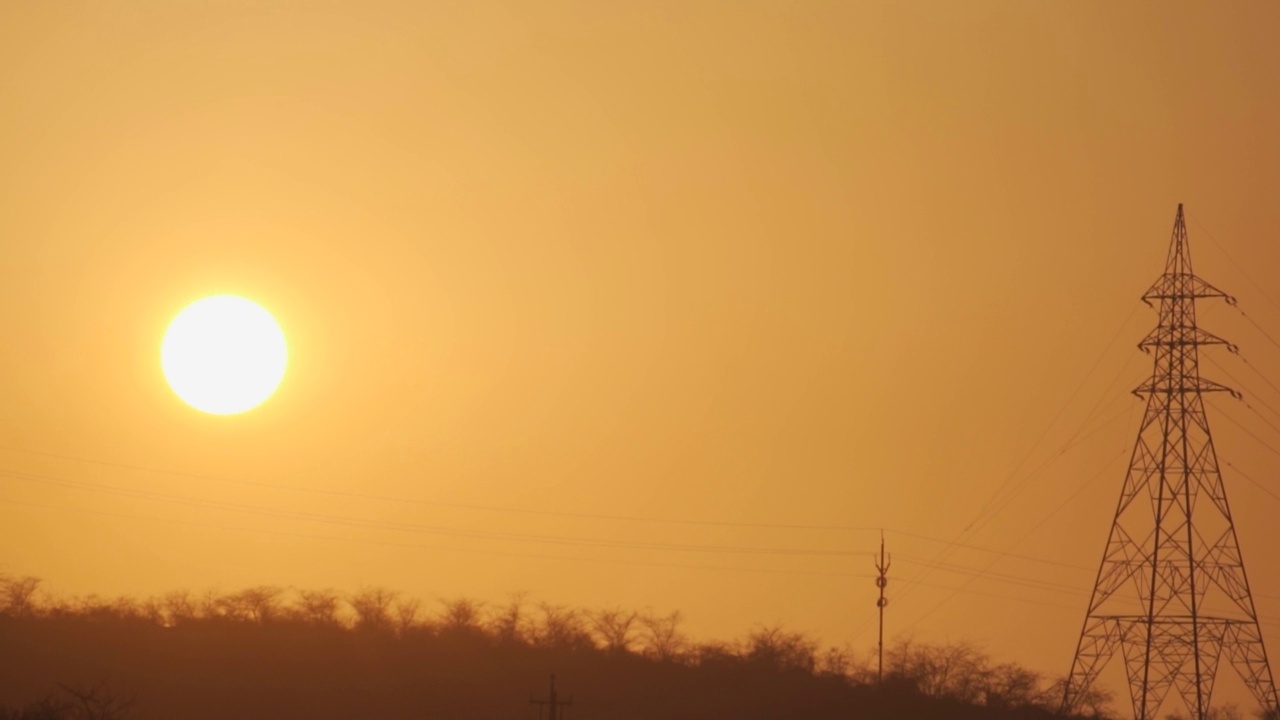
(1171, 596)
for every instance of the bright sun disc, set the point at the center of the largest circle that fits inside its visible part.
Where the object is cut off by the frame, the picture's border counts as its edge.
(223, 355)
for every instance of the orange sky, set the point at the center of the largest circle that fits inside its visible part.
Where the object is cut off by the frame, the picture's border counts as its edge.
(808, 264)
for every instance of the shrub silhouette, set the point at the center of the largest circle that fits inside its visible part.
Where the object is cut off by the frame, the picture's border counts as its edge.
(72, 703)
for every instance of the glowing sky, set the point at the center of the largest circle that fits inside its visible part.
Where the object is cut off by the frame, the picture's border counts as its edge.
(856, 264)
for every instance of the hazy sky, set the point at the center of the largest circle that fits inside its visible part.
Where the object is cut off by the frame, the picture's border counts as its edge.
(543, 265)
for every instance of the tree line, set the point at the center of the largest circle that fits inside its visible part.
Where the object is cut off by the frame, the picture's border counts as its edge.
(272, 652)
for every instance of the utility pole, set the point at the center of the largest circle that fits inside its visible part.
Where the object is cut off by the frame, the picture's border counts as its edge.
(552, 703)
(882, 581)
(1171, 598)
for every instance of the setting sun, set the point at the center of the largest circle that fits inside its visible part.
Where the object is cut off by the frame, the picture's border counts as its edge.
(224, 355)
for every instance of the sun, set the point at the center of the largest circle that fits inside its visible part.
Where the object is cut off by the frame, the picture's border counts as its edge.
(223, 354)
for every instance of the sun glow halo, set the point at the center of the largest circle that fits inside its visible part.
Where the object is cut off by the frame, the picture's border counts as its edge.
(223, 354)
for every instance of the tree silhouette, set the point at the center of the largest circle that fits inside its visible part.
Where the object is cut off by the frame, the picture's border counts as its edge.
(663, 639)
(616, 628)
(18, 595)
(509, 625)
(319, 607)
(270, 653)
(372, 607)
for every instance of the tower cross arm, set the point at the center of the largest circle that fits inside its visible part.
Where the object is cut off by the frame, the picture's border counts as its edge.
(1160, 385)
(1183, 335)
(1179, 286)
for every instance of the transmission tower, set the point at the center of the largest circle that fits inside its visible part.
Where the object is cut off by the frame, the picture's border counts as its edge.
(1171, 596)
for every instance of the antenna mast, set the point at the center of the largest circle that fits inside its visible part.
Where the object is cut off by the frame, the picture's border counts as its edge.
(882, 581)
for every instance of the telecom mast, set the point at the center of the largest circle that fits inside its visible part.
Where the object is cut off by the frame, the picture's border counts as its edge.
(1171, 596)
(882, 581)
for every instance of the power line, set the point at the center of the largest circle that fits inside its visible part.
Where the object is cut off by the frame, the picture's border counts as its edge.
(552, 703)
(978, 524)
(1261, 417)
(1048, 462)
(1030, 583)
(1237, 265)
(606, 561)
(441, 503)
(1258, 372)
(419, 546)
(1083, 381)
(1099, 407)
(1246, 430)
(1002, 553)
(999, 494)
(1034, 528)
(1254, 323)
(1241, 385)
(539, 556)
(421, 528)
(449, 532)
(526, 511)
(1260, 486)
(999, 577)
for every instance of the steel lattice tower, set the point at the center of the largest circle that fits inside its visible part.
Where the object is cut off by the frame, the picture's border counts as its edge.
(1171, 596)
